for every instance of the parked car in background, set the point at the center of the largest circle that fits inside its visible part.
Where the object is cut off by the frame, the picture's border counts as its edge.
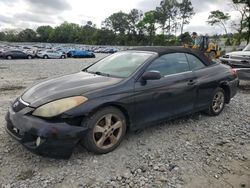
(124, 91)
(51, 54)
(240, 60)
(109, 50)
(16, 54)
(80, 54)
(1, 53)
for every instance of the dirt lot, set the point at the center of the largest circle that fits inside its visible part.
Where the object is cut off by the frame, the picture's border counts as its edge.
(194, 151)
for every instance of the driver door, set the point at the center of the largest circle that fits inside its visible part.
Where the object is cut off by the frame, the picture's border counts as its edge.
(173, 94)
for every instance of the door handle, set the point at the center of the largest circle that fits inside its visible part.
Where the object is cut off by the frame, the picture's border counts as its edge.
(191, 82)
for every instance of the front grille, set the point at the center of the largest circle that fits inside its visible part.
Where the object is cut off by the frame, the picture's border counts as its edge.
(18, 105)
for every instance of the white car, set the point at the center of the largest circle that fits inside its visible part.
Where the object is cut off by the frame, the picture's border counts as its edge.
(240, 60)
(52, 54)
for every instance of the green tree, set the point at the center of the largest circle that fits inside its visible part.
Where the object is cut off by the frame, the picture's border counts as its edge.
(219, 18)
(86, 34)
(89, 23)
(11, 35)
(185, 38)
(148, 23)
(27, 35)
(166, 15)
(104, 37)
(2, 36)
(44, 33)
(243, 6)
(66, 33)
(186, 12)
(134, 17)
(118, 22)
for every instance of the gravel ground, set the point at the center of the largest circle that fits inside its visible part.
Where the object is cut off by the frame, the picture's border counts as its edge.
(194, 151)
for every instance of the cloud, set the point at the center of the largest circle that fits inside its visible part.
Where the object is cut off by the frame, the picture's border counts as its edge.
(48, 6)
(36, 18)
(146, 5)
(6, 19)
(203, 6)
(32, 13)
(8, 2)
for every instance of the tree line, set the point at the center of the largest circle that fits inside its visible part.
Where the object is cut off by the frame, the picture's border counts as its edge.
(155, 27)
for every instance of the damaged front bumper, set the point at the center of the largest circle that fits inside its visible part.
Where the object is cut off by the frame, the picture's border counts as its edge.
(51, 139)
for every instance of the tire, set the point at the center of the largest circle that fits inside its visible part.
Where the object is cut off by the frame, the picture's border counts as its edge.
(107, 128)
(212, 55)
(9, 57)
(63, 57)
(45, 57)
(217, 102)
(29, 57)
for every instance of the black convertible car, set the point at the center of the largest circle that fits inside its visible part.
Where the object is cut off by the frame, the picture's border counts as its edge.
(125, 91)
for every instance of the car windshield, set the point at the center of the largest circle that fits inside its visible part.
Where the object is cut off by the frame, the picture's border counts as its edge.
(121, 64)
(247, 48)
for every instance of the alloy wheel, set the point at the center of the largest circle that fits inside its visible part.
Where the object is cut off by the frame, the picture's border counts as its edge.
(107, 131)
(218, 102)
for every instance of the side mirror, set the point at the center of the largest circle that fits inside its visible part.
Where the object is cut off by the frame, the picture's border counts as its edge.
(151, 75)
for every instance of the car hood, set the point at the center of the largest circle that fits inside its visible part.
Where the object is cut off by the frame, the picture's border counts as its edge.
(239, 53)
(66, 86)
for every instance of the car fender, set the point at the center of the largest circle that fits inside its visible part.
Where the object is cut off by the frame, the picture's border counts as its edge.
(122, 101)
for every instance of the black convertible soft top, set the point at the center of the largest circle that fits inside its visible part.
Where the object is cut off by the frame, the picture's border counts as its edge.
(166, 50)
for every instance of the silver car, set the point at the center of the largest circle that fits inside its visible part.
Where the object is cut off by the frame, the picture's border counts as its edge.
(240, 60)
(52, 54)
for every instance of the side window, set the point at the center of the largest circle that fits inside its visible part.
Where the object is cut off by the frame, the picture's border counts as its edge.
(194, 62)
(170, 64)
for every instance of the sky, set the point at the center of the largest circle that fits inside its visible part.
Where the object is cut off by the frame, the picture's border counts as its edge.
(19, 14)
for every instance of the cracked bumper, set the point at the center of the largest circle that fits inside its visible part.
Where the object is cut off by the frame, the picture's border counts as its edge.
(50, 139)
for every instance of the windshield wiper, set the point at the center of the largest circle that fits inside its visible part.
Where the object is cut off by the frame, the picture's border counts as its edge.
(99, 73)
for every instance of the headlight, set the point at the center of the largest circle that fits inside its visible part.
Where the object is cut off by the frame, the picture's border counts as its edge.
(59, 106)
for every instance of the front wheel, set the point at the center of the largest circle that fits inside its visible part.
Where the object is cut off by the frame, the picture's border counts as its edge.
(63, 57)
(212, 55)
(45, 57)
(9, 57)
(217, 102)
(29, 57)
(107, 128)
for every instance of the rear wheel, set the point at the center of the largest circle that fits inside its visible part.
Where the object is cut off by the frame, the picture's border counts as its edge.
(29, 57)
(63, 57)
(9, 57)
(217, 102)
(107, 128)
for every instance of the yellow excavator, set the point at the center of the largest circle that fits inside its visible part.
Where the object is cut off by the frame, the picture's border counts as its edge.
(210, 49)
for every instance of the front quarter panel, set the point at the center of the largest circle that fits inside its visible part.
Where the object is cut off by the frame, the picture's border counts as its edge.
(120, 95)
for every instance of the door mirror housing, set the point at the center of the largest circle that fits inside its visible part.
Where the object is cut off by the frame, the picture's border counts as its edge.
(151, 75)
